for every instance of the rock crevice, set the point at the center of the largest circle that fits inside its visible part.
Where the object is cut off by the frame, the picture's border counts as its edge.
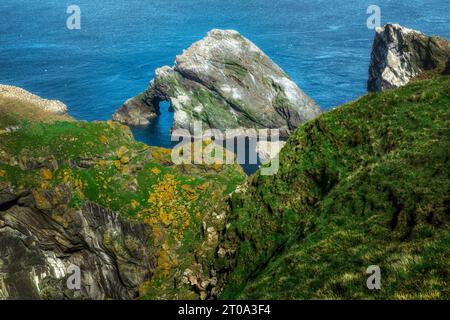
(39, 244)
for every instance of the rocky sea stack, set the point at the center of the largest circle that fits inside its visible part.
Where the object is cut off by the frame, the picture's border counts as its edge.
(400, 54)
(226, 82)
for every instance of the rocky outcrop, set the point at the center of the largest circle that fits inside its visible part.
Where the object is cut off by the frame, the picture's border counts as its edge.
(40, 243)
(21, 95)
(226, 82)
(400, 54)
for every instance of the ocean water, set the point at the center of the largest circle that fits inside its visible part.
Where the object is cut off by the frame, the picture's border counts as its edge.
(324, 45)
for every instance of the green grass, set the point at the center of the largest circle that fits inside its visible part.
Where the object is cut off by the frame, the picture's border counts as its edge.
(364, 184)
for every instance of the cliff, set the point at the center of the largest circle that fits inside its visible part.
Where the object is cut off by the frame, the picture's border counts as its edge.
(226, 82)
(21, 96)
(40, 239)
(89, 195)
(364, 184)
(400, 54)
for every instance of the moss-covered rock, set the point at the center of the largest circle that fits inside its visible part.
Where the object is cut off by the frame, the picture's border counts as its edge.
(226, 82)
(364, 184)
(400, 54)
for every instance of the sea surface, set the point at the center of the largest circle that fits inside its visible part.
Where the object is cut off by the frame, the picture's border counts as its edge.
(323, 45)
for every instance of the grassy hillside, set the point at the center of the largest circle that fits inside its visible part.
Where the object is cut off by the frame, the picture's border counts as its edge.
(364, 184)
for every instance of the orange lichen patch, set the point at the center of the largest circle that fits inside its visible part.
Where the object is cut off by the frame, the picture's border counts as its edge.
(190, 192)
(110, 124)
(45, 185)
(46, 174)
(103, 139)
(162, 155)
(118, 164)
(67, 176)
(79, 187)
(164, 262)
(102, 163)
(41, 201)
(134, 204)
(168, 214)
(156, 171)
(124, 160)
(121, 152)
(203, 186)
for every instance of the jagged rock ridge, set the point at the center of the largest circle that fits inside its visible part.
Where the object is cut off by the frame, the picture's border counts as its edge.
(226, 82)
(400, 54)
(19, 94)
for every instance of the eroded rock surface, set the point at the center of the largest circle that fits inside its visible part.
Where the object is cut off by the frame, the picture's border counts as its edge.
(226, 82)
(400, 54)
(40, 242)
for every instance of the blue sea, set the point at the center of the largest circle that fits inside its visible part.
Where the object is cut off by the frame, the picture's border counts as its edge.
(324, 45)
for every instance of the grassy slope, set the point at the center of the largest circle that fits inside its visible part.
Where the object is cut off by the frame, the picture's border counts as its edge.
(12, 112)
(101, 162)
(365, 184)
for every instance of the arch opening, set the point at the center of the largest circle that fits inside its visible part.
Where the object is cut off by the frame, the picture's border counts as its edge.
(158, 132)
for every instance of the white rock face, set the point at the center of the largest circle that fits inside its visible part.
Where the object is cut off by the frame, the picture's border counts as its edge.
(227, 82)
(400, 54)
(53, 106)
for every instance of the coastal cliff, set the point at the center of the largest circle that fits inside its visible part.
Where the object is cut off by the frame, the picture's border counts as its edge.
(41, 238)
(226, 82)
(364, 184)
(400, 54)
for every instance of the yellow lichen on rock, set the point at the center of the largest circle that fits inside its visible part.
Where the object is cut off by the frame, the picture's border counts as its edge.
(41, 201)
(46, 174)
(79, 188)
(103, 139)
(118, 164)
(156, 171)
(134, 204)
